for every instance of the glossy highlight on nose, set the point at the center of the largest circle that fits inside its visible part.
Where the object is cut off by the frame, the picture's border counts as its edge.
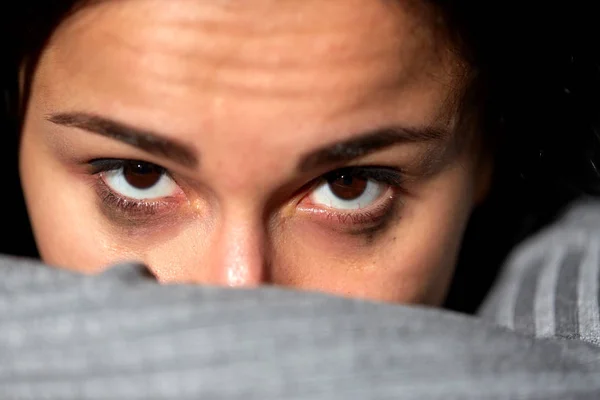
(237, 255)
(238, 275)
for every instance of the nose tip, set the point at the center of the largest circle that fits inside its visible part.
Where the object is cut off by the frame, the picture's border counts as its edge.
(239, 258)
(241, 275)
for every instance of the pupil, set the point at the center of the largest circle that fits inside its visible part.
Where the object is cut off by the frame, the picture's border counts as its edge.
(347, 187)
(142, 175)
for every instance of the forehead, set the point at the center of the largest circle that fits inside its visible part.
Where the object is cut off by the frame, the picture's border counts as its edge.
(232, 66)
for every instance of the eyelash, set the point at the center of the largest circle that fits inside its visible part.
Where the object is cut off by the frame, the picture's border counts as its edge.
(391, 177)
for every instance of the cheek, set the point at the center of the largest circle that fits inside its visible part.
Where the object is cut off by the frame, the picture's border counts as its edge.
(434, 240)
(412, 263)
(185, 257)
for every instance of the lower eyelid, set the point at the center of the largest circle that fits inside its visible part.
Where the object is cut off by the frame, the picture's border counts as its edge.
(123, 209)
(368, 215)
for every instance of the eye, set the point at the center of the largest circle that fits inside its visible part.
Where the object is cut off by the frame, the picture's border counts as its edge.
(138, 180)
(353, 188)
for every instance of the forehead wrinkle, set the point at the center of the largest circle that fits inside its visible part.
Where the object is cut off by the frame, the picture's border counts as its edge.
(228, 63)
(239, 25)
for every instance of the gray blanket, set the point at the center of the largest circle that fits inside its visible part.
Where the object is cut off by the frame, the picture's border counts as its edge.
(122, 336)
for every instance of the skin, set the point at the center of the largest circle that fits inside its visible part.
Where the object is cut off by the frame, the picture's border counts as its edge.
(253, 98)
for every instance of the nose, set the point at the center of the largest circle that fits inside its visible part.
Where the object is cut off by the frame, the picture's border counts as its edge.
(237, 255)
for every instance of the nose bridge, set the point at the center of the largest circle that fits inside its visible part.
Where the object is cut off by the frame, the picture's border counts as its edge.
(238, 253)
(239, 246)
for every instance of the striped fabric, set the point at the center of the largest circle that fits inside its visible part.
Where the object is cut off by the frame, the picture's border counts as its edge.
(551, 285)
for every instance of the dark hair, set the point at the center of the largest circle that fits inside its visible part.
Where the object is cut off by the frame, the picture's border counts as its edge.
(535, 89)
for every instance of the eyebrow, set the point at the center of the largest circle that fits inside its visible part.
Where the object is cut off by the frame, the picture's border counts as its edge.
(365, 143)
(148, 141)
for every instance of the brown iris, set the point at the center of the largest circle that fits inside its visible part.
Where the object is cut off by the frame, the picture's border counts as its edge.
(142, 175)
(347, 187)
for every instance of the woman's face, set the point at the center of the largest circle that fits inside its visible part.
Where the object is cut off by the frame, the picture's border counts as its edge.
(312, 144)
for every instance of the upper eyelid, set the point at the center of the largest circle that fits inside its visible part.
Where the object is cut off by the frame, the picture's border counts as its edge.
(107, 164)
(383, 174)
(111, 164)
(388, 175)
